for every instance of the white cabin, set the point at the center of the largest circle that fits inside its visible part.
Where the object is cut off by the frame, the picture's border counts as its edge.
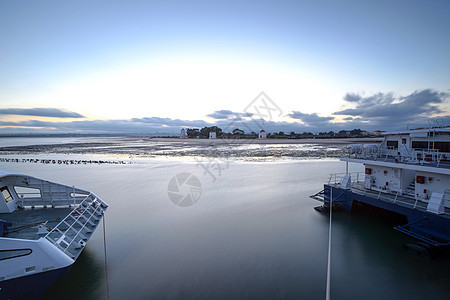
(212, 135)
(414, 164)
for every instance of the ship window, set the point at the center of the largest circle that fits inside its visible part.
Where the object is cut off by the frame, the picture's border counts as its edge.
(6, 194)
(13, 253)
(442, 146)
(77, 195)
(404, 141)
(419, 145)
(392, 145)
(27, 192)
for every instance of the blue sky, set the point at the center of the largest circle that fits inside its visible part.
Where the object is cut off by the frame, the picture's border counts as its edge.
(111, 66)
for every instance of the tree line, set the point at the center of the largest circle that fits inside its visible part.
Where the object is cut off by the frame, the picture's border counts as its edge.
(203, 133)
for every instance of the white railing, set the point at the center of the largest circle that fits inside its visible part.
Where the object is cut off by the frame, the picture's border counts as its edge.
(72, 233)
(34, 192)
(336, 178)
(403, 154)
(396, 197)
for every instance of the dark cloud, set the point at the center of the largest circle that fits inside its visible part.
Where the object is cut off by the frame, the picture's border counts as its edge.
(351, 97)
(40, 112)
(142, 125)
(388, 108)
(170, 122)
(95, 126)
(228, 114)
(311, 119)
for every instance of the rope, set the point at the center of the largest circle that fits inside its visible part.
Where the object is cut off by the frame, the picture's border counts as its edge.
(19, 228)
(106, 261)
(329, 247)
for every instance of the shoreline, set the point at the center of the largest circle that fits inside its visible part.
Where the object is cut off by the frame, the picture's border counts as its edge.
(129, 148)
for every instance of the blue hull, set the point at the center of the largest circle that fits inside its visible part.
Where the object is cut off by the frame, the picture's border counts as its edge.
(30, 286)
(420, 224)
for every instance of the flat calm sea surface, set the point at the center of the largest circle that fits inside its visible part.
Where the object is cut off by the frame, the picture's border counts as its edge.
(251, 234)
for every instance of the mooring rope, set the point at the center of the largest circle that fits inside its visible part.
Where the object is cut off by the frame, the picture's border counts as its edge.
(106, 260)
(25, 226)
(329, 247)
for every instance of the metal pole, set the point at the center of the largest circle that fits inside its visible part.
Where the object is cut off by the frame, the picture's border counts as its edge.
(329, 247)
(106, 260)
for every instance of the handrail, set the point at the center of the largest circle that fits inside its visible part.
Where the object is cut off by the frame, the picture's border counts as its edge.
(396, 197)
(355, 176)
(402, 153)
(88, 209)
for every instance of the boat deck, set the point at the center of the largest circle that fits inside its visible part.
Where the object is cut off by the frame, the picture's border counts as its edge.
(401, 200)
(443, 164)
(25, 222)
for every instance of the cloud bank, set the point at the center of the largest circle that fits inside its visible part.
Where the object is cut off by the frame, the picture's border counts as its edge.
(40, 112)
(381, 108)
(381, 111)
(228, 114)
(313, 119)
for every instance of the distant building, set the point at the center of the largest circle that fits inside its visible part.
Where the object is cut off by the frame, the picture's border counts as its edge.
(212, 135)
(262, 135)
(183, 134)
(377, 132)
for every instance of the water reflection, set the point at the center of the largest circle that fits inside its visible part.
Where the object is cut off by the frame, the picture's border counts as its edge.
(85, 280)
(370, 260)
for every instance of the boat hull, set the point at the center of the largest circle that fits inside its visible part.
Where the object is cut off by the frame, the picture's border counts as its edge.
(422, 222)
(31, 286)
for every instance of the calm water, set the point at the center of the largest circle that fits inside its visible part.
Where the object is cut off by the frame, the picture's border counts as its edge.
(253, 234)
(149, 147)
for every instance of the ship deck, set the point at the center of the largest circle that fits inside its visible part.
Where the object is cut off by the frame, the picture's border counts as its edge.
(410, 164)
(25, 222)
(401, 200)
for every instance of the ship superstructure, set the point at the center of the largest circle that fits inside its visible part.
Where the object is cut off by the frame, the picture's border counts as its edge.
(408, 174)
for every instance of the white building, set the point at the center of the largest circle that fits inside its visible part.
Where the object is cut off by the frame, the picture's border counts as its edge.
(262, 135)
(212, 135)
(183, 134)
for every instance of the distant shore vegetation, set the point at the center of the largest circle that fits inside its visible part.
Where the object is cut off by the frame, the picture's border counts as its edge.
(204, 133)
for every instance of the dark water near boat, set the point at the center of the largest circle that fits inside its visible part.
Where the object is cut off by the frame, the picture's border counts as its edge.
(253, 234)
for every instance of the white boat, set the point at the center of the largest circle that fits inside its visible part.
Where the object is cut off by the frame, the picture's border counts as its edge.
(44, 226)
(408, 174)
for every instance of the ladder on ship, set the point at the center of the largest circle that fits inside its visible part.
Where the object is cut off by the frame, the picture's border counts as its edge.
(320, 196)
(72, 233)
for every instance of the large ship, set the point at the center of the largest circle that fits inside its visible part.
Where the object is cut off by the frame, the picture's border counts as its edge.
(408, 174)
(44, 226)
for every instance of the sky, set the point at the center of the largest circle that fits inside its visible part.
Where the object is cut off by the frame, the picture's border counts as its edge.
(149, 67)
